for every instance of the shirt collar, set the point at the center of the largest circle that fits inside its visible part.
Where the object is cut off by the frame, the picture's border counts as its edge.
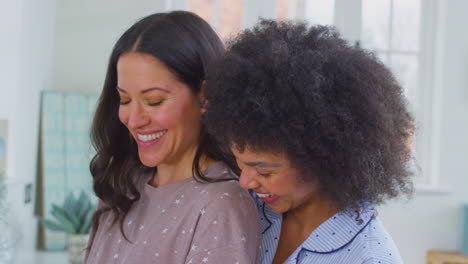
(332, 235)
(338, 231)
(267, 215)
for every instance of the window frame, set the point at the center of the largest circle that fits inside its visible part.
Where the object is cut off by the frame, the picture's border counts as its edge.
(429, 107)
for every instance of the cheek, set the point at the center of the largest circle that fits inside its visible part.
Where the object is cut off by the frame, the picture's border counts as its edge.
(180, 116)
(289, 184)
(305, 189)
(282, 186)
(166, 118)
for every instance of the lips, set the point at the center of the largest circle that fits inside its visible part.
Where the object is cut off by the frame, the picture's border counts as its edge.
(148, 139)
(267, 198)
(264, 195)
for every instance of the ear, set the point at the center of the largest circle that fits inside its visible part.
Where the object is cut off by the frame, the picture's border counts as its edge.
(202, 99)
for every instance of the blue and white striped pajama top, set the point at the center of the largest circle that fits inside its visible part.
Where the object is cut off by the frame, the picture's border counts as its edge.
(340, 239)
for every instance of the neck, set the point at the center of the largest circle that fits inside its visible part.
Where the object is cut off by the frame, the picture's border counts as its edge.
(311, 215)
(179, 170)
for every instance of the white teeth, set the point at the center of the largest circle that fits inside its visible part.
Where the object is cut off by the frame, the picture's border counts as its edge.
(264, 195)
(149, 137)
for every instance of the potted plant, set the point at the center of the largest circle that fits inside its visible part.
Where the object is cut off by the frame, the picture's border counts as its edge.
(9, 226)
(74, 218)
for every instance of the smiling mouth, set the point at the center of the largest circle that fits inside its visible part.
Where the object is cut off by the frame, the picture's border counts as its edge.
(265, 195)
(150, 137)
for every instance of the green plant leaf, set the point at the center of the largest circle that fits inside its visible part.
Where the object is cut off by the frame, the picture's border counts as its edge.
(86, 227)
(72, 210)
(62, 218)
(79, 204)
(68, 200)
(52, 225)
(74, 216)
(87, 206)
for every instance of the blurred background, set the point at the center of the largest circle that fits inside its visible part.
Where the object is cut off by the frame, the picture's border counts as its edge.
(53, 57)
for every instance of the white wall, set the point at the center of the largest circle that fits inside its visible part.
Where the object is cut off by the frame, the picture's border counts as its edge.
(27, 31)
(86, 32)
(433, 220)
(10, 30)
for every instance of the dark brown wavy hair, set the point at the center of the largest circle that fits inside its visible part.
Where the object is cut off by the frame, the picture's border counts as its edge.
(186, 44)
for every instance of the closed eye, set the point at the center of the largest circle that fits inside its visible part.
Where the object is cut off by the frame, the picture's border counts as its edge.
(263, 174)
(124, 102)
(155, 103)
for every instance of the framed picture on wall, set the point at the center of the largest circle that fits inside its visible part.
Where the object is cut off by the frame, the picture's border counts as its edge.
(3, 147)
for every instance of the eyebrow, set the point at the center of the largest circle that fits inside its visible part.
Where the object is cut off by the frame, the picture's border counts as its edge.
(146, 90)
(263, 164)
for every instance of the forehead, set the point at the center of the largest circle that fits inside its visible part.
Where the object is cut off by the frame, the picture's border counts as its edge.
(141, 63)
(140, 70)
(248, 155)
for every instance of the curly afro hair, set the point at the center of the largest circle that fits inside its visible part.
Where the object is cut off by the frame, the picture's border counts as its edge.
(335, 110)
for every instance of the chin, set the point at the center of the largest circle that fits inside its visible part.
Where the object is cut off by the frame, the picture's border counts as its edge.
(278, 210)
(149, 162)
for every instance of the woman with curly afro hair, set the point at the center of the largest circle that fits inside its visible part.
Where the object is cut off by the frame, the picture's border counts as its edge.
(319, 129)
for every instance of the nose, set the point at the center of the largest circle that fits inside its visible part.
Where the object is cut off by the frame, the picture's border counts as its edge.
(247, 180)
(137, 117)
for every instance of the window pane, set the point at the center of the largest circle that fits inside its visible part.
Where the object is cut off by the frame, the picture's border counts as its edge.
(375, 23)
(383, 57)
(225, 16)
(282, 9)
(406, 70)
(406, 19)
(230, 17)
(203, 8)
(320, 11)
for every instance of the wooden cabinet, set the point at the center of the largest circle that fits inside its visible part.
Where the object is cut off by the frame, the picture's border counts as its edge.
(445, 257)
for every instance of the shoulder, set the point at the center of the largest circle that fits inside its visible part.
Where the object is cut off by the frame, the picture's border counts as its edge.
(227, 190)
(225, 196)
(378, 245)
(223, 190)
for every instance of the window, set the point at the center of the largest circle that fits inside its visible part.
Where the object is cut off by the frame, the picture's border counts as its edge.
(400, 32)
(391, 29)
(320, 11)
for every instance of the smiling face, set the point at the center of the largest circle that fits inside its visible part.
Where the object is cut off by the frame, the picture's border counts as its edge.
(161, 112)
(274, 180)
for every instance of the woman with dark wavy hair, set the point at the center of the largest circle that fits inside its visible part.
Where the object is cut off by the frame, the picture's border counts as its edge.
(319, 130)
(166, 193)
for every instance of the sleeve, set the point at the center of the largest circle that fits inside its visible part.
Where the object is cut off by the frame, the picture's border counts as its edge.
(228, 231)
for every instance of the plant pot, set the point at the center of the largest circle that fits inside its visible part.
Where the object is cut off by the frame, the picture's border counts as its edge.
(76, 248)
